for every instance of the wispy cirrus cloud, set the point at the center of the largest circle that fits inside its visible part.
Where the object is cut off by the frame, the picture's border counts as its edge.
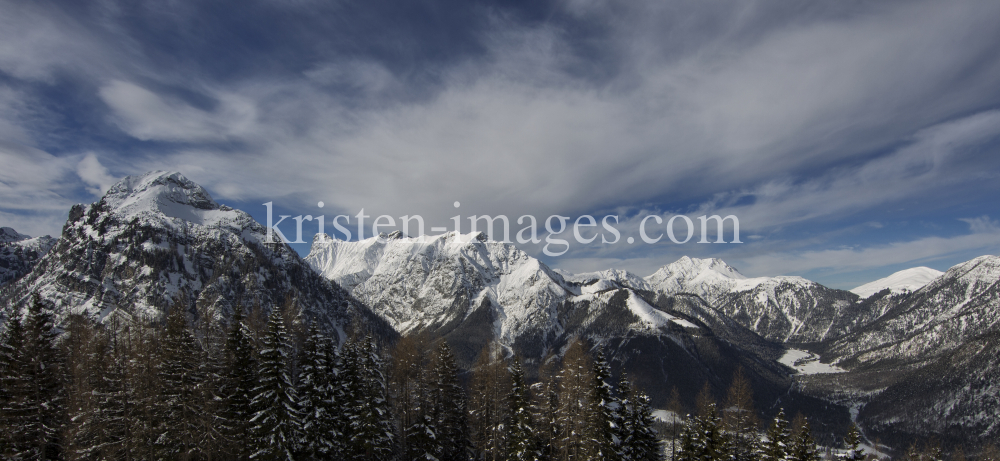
(791, 119)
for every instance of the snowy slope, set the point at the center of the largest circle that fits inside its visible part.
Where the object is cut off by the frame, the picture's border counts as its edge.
(158, 239)
(904, 281)
(441, 281)
(19, 253)
(785, 309)
(961, 304)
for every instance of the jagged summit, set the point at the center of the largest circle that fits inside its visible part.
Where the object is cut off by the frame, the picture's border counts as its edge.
(159, 194)
(19, 253)
(8, 234)
(429, 281)
(158, 239)
(687, 272)
(904, 281)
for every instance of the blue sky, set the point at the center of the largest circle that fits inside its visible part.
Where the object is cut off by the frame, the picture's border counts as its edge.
(850, 138)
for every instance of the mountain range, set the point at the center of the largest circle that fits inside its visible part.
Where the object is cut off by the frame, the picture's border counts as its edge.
(914, 354)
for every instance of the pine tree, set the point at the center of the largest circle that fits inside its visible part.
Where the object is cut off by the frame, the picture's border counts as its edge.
(14, 388)
(852, 442)
(45, 403)
(776, 441)
(370, 433)
(406, 389)
(546, 407)
(449, 409)
(603, 433)
(522, 444)
(702, 437)
(113, 397)
(803, 446)
(275, 423)
(238, 386)
(181, 407)
(84, 350)
(318, 438)
(638, 439)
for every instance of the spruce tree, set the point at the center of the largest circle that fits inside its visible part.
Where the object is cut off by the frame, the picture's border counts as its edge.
(803, 446)
(604, 419)
(276, 418)
(14, 388)
(371, 432)
(852, 442)
(638, 439)
(45, 403)
(315, 395)
(522, 443)
(776, 441)
(238, 385)
(182, 404)
(449, 407)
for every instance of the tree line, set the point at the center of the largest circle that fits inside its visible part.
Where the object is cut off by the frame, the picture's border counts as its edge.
(275, 387)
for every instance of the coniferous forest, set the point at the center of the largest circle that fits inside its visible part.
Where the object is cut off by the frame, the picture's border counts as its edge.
(275, 387)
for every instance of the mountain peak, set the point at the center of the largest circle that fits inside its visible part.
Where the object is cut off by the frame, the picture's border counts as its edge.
(157, 194)
(8, 234)
(689, 268)
(158, 189)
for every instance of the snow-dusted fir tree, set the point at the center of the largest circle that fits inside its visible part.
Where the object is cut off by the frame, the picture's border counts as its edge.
(371, 433)
(37, 398)
(638, 439)
(802, 446)
(180, 408)
(852, 442)
(316, 398)
(702, 438)
(605, 421)
(14, 388)
(449, 407)
(420, 435)
(238, 385)
(276, 419)
(776, 440)
(522, 442)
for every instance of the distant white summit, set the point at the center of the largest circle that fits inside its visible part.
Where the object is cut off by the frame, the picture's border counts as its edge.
(904, 281)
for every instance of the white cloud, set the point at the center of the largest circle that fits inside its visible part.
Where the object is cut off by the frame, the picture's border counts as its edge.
(149, 116)
(94, 174)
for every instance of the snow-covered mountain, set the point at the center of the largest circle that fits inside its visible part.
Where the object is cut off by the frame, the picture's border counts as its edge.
(961, 304)
(471, 290)
(19, 253)
(782, 308)
(904, 281)
(928, 364)
(158, 239)
(460, 286)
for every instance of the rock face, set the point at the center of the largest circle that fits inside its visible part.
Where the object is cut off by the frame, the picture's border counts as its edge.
(470, 291)
(783, 309)
(19, 253)
(158, 239)
(961, 304)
